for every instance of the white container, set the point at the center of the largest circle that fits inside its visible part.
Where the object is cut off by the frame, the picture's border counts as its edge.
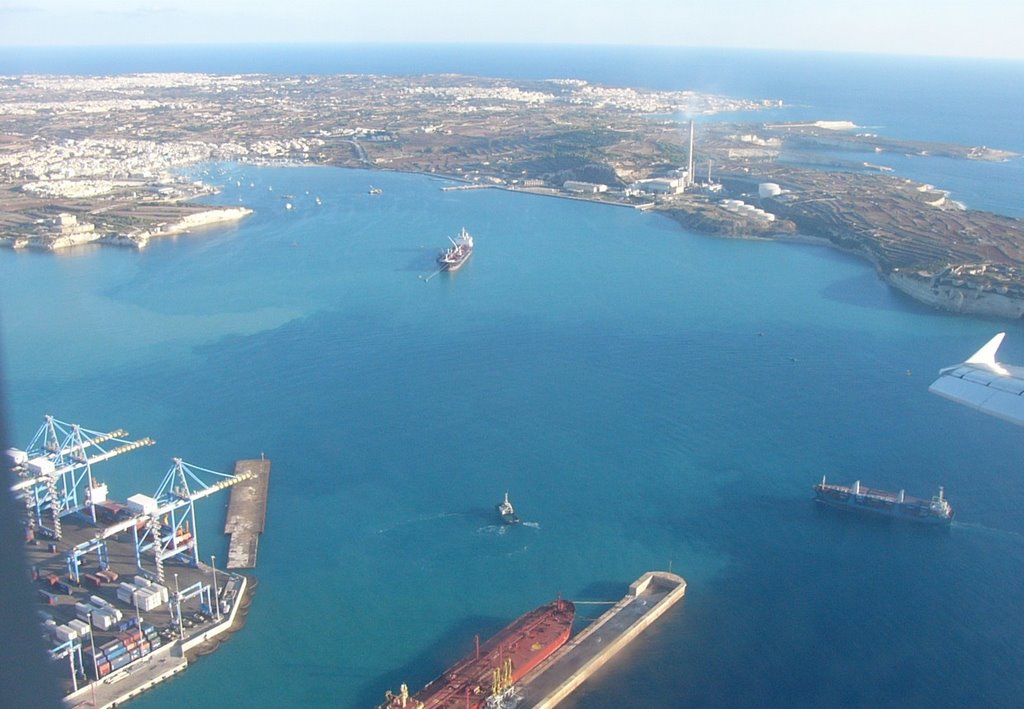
(140, 504)
(79, 627)
(148, 600)
(164, 593)
(103, 621)
(63, 633)
(141, 581)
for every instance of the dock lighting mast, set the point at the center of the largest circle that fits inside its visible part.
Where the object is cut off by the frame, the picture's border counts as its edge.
(56, 478)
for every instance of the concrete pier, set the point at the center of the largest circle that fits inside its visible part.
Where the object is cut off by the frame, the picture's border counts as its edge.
(247, 513)
(555, 679)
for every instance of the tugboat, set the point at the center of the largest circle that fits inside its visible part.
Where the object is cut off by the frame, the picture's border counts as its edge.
(454, 257)
(507, 511)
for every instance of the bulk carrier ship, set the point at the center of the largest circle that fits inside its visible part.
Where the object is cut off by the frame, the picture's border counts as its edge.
(483, 676)
(882, 502)
(454, 257)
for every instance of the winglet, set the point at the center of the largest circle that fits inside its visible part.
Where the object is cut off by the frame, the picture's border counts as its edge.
(987, 355)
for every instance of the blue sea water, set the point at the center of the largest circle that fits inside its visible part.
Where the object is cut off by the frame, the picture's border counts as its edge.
(649, 397)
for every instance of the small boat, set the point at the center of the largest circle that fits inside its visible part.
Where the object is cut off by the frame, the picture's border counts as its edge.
(376, 190)
(507, 511)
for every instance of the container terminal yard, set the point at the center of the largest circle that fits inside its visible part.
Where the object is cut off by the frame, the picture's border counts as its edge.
(124, 600)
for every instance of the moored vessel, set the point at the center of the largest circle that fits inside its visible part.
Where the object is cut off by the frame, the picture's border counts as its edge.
(496, 665)
(456, 255)
(507, 511)
(859, 498)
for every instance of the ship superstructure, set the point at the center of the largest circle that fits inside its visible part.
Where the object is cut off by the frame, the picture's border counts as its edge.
(507, 511)
(883, 502)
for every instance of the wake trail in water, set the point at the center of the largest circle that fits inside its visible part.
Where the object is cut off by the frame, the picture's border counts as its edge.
(973, 527)
(419, 520)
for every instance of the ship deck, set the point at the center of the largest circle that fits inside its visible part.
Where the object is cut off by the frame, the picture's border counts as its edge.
(872, 493)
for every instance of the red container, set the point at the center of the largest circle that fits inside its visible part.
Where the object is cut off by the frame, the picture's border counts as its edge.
(103, 668)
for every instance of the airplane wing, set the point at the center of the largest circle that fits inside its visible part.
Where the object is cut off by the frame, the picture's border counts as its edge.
(984, 384)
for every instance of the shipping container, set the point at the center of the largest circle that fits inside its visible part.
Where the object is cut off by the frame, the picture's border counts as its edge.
(92, 581)
(115, 652)
(119, 662)
(102, 620)
(63, 633)
(81, 627)
(108, 575)
(64, 587)
(103, 668)
(48, 598)
(141, 581)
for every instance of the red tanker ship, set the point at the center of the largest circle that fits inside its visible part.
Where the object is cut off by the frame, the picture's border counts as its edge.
(496, 665)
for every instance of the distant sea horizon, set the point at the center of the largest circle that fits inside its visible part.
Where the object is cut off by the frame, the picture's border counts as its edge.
(648, 396)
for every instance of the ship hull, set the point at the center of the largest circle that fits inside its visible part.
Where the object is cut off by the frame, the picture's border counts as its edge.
(918, 511)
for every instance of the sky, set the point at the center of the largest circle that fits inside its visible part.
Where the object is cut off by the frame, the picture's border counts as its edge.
(957, 28)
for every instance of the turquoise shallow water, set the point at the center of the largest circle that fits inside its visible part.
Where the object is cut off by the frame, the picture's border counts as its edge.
(648, 396)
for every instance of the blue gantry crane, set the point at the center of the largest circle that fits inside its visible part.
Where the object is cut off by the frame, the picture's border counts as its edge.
(165, 524)
(55, 472)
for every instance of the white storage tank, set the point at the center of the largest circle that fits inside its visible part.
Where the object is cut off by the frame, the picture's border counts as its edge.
(768, 189)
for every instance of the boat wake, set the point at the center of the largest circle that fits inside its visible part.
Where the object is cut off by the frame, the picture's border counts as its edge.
(504, 528)
(972, 527)
(419, 520)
